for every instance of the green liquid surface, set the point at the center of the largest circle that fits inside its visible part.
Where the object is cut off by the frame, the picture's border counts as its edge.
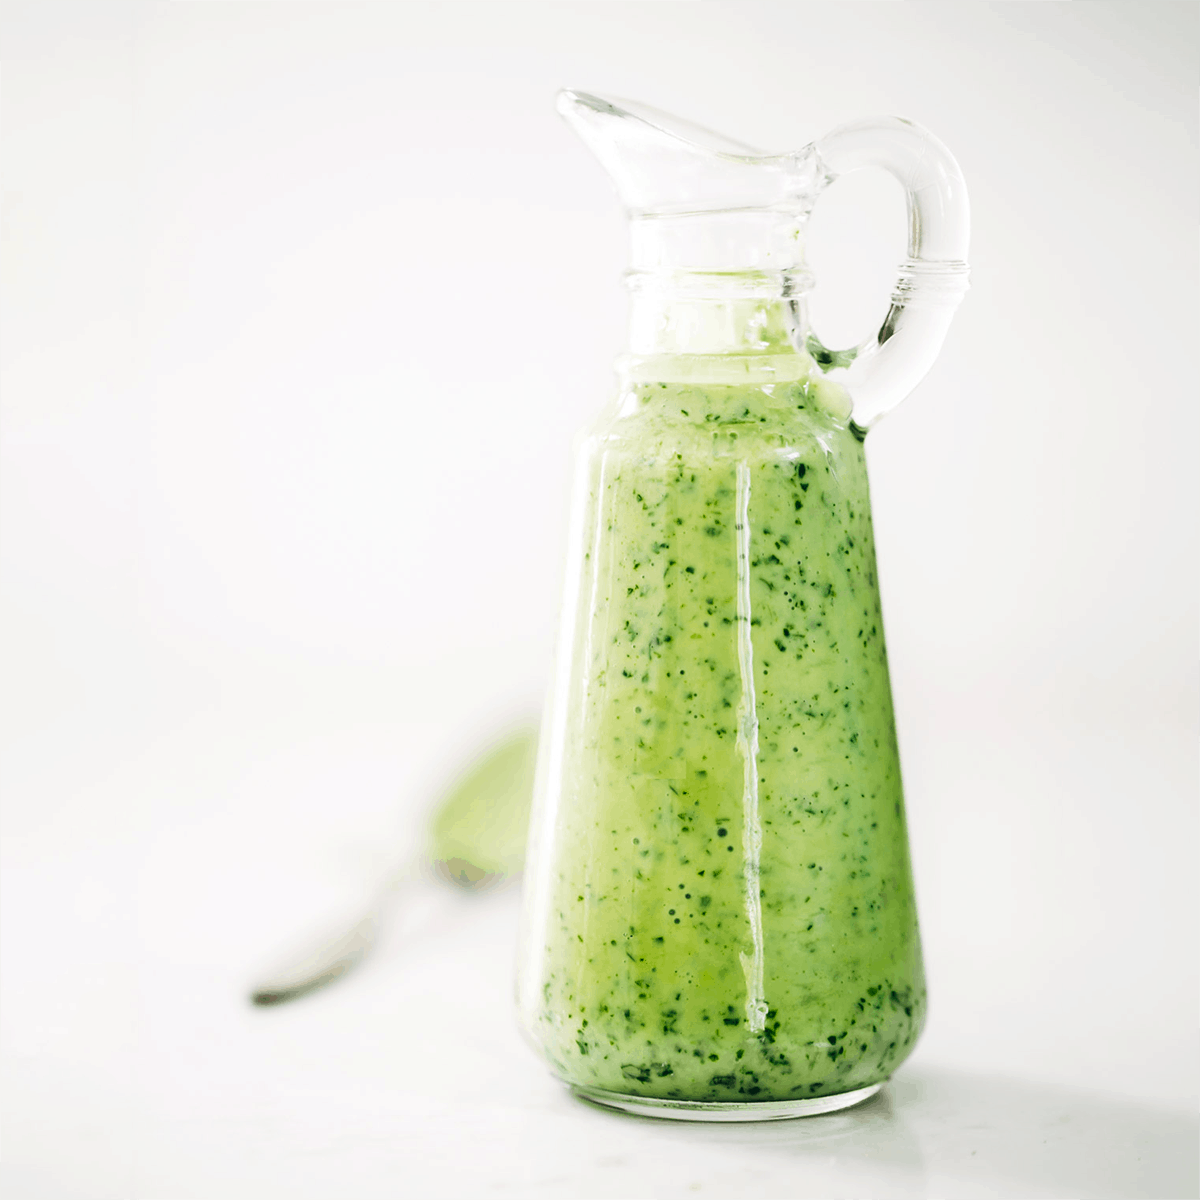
(723, 908)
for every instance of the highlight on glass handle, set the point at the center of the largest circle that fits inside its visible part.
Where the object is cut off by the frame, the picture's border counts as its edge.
(884, 369)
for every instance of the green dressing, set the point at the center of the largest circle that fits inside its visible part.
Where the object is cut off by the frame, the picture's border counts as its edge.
(727, 913)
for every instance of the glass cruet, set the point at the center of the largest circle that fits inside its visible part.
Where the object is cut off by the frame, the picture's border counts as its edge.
(719, 920)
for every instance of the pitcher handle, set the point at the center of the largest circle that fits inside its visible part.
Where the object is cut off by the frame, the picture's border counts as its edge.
(884, 369)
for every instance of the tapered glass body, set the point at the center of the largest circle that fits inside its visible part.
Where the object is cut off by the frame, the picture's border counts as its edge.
(720, 902)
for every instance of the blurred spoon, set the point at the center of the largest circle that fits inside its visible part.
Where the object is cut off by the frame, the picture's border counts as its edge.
(476, 841)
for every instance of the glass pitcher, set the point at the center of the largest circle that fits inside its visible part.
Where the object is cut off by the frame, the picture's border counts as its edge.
(719, 917)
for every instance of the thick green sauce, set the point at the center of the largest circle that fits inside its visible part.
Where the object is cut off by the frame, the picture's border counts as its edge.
(728, 905)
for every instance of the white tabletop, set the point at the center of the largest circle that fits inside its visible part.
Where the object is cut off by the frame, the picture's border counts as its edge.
(141, 1071)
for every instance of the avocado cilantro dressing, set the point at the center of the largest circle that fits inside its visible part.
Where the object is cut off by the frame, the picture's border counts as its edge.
(729, 915)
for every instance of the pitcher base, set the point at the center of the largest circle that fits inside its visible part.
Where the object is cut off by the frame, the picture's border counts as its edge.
(695, 1110)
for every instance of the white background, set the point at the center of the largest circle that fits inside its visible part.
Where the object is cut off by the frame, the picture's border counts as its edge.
(302, 305)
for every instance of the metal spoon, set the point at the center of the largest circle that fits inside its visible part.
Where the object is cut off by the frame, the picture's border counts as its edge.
(476, 841)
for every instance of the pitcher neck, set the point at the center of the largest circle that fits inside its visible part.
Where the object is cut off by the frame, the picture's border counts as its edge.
(708, 312)
(724, 282)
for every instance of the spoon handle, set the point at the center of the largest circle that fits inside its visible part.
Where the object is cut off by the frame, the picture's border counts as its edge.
(421, 889)
(326, 958)
(320, 964)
